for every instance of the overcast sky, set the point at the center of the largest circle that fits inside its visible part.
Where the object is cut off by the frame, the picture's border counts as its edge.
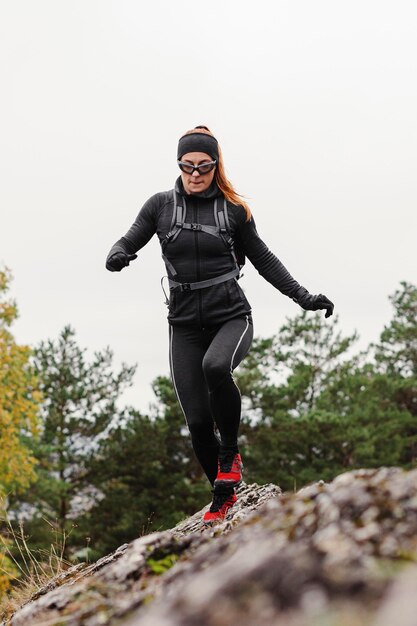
(313, 102)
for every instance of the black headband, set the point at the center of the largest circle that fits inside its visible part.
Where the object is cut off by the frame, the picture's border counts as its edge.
(198, 142)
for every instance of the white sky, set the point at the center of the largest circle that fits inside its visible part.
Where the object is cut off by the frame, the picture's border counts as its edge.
(314, 104)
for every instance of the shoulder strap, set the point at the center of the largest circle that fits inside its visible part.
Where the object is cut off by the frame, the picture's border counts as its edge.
(226, 215)
(222, 221)
(221, 218)
(174, 210)
(177, 221)
(178, 216)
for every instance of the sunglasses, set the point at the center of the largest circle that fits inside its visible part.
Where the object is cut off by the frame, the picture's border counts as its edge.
(204, 168)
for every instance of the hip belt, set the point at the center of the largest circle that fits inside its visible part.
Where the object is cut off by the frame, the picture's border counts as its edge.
(202, 284)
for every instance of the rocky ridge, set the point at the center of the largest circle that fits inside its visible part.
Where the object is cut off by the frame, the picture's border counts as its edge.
(337, 553)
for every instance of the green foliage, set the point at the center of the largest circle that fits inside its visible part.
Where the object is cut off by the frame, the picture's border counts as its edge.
(289, 371)
(396, 353)
(80, 404)
(19, 407)
(147, 476)
(162, 565)
(19, 401)
(313, 410)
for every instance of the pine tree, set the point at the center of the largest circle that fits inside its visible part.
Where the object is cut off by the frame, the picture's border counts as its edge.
(80, 403)
(396, 358)
(291, 436)
(147, 475)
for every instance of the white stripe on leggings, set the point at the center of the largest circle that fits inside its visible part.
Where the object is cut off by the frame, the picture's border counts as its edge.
(171, 360)
(238, 343)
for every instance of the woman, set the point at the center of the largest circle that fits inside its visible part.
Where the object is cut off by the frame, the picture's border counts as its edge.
(205, 229)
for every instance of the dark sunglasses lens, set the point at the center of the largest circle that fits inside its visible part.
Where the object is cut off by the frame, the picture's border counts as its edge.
(188, 169)
(206, 168)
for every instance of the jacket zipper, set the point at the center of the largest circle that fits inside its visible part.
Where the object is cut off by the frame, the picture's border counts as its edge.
(197, 254)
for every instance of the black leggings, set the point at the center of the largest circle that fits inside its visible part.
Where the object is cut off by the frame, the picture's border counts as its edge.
(202, 362)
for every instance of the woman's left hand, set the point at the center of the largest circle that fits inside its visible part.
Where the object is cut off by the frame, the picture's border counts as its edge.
(315, 303)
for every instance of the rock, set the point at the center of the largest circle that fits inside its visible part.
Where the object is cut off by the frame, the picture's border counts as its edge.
(400, 605)
(286, 557)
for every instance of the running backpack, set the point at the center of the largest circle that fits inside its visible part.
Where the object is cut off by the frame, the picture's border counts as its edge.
(221, 230)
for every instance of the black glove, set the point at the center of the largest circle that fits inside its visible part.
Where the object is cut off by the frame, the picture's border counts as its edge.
(315, 303)
(119, 260)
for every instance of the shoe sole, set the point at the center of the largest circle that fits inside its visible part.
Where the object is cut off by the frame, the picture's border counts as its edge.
(227, 483)
(210, 522)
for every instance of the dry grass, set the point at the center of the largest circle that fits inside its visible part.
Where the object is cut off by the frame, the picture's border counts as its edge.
(34, 570)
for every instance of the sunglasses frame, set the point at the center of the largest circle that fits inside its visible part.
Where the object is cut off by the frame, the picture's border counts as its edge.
(182, 164)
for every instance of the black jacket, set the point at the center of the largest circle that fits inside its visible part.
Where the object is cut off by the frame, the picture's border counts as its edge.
(198, 256)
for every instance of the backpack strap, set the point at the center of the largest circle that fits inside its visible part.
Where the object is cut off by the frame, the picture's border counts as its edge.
(178, 217)
(177, 223)
(202, 284)
(205, 228)
(226, 214)
(222, 220)
(222, 230)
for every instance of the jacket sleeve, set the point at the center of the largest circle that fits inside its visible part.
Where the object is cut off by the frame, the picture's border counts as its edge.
(267, 264)
(141, 230)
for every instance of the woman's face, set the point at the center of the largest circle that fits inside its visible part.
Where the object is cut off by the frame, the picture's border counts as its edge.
(197, 182)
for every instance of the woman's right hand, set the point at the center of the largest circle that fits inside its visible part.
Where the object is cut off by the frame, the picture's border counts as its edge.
(119, 260)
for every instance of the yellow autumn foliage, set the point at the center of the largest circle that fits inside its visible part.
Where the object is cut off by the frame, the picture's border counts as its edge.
(8, 570)
(19, 409)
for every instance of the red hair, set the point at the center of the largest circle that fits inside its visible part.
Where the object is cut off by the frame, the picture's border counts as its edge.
(222, 181)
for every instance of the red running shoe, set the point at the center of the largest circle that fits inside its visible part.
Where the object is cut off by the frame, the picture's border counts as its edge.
(222, 502)
(230, 468)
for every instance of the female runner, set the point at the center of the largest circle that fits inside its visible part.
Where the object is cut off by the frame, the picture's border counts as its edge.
(205, 230)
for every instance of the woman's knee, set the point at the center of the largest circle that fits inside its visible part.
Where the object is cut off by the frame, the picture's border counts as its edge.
(215, 371)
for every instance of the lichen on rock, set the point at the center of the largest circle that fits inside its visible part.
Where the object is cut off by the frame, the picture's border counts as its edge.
(290, 556)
